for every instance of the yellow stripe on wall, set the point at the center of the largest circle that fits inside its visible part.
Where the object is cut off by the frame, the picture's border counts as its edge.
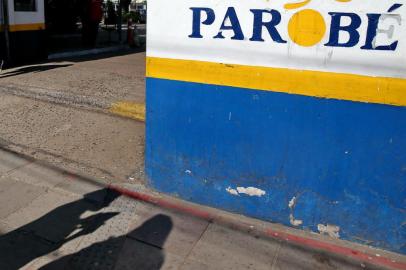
(25, 27)
(382, 90)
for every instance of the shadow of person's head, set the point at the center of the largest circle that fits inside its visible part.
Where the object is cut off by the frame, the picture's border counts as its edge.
(154, 231)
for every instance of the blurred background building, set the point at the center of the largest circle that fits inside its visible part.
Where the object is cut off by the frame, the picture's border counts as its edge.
(31, 29)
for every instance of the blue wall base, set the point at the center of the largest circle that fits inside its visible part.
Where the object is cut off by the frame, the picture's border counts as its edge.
(343, 162)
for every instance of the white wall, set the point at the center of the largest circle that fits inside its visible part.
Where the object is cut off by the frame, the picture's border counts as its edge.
(26, 17)
(170, 24)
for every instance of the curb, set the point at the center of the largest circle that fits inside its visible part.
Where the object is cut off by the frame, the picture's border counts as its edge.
(267, 231)
(95, 51)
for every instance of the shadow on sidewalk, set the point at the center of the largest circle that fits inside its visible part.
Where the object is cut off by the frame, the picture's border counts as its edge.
(32, 69)
(56, 228)
(137, 255)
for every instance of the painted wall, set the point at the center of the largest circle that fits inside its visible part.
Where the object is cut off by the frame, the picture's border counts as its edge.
(27, 18)
(27, 34)
(288, 112)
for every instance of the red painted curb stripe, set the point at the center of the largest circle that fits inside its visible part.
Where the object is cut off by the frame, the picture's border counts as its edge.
(355, 254)
(164, 203)
(308, 242)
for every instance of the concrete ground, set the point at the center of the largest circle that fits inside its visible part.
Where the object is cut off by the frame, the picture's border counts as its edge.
(51, 219)
(59, 112)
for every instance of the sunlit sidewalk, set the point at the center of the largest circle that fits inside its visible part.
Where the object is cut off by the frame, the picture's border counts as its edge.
(53, 219)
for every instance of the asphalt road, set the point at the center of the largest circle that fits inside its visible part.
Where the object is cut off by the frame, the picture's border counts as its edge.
(58, 112)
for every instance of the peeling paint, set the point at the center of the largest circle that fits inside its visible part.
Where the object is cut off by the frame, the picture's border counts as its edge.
(295, 222)
(330, 230)
(292, 202)
(232, 191)
(250, 191)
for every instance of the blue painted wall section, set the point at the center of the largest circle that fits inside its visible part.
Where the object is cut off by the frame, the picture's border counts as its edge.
(345, 162)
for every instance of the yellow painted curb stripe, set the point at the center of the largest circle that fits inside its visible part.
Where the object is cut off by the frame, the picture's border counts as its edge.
(129, 109)
(25, 27)
(381, 90)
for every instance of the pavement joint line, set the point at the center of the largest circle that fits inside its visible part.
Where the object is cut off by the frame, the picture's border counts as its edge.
(194, 245)
(276, 256)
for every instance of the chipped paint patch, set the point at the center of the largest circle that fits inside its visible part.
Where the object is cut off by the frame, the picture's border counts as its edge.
(330, 230)
(292, 202)
(250, 191)
(292, 220)
(232, 191)
(295, 222)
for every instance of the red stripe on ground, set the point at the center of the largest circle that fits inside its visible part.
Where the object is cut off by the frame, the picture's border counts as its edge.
(307, 242)
(340, 250)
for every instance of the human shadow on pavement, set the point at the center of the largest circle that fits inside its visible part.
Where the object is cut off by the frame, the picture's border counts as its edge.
(32, 69)
(142, 251)
(56, 228)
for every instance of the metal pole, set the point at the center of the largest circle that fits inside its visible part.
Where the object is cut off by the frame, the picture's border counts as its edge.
(6, 29)
(119, 28)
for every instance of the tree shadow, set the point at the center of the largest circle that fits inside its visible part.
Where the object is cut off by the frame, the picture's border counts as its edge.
(122, 252)
(56, 228)
(32, 69)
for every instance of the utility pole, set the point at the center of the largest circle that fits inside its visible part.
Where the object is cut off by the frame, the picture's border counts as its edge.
(6, 29)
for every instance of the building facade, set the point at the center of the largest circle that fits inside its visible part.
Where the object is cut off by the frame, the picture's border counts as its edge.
(22, 31)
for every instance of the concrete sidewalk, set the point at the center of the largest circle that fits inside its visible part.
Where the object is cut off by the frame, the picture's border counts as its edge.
(53, 219)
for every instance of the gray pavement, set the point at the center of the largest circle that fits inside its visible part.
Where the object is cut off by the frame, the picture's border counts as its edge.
(107, 77)
(51, 219)
(56, 112)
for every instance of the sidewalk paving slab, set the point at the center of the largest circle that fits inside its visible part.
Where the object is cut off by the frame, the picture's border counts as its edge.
(224, 248)
(15, 195)
(39, 207)
(138, 255)
(38, 175)
(291, 257)
(9, 162)
(54, 225)
(184, 231)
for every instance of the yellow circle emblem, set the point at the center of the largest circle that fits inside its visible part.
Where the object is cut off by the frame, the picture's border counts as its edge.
(307, 27)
